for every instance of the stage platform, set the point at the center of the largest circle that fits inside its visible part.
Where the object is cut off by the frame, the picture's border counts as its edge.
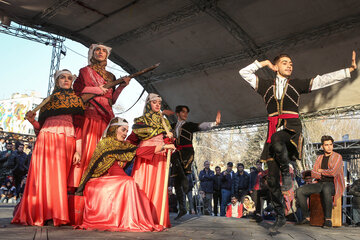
(190, 227)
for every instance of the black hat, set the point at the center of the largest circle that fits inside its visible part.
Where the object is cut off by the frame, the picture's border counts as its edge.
(230, 164)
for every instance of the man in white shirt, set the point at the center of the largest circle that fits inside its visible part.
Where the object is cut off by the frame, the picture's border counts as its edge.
(284, 140)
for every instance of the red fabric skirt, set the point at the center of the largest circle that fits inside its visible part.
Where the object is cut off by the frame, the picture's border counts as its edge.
(150, 176)
(45, 194)
(91, 133)
(116, 203)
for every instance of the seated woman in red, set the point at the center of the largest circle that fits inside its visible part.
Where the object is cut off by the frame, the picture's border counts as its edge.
(45, 195)
(113, 201)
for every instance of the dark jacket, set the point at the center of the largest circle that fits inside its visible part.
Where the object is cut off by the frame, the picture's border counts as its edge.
(252, 181)
(355, 191)
(217, 183)
(226, 181)
(241, 182)
(207, 181)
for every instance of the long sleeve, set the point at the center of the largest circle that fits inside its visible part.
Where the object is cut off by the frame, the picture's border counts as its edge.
(206, 126)
(335, 168)
(329, 79)
(314, 173)
(248, 73)
(146, 152)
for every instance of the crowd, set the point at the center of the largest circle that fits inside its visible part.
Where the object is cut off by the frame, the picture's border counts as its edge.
(15, 157)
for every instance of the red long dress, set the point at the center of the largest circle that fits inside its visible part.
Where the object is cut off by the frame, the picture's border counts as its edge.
(45, 194)
(95, 120)
(149, 174)
(114, 202)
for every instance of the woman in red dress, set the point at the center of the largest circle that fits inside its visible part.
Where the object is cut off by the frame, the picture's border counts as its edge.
(149, 174)
(113, 201)
(98, 112)
(45, 194)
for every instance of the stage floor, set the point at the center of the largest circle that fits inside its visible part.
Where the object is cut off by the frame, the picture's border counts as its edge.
(190, 227)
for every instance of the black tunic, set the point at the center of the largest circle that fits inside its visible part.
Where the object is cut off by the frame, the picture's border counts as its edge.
(288, 104)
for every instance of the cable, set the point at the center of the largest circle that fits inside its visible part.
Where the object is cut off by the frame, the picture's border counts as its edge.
(134, 103)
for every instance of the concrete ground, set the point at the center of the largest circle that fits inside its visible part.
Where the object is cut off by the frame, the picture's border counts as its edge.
(190, 227)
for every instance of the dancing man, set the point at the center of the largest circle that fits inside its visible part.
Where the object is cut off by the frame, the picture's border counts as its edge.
(284, 140)
(182, 159)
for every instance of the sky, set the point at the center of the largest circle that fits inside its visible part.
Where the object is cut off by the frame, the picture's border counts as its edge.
(25, 67)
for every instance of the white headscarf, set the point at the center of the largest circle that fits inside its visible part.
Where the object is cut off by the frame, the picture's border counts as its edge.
(151, 97)
(92, 48)
(59, 72)
(120, 122)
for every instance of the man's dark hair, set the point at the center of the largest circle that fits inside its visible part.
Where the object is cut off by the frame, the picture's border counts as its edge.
(217, 167)
(277, 58)
(235, 196)
(20, 144)
(257, 162)
(326, 138)
(179, 108)
(230, 164)
(240, 164)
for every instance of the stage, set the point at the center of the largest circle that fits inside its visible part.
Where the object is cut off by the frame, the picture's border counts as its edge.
(190, 227)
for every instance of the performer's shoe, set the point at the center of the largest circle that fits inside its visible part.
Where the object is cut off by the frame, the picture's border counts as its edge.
(286, 181)
(279, 222)
(303, 222)
(327, 224)
(257, 218)
(181, 213)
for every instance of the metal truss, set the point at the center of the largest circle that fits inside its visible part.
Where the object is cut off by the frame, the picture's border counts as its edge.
(306, 36)
(41, 37)
(53, 9)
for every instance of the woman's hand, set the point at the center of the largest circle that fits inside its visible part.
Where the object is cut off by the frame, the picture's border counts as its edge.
(30, 116)
(169, 146)
(169, 135)
(76, 158)
(104, 90)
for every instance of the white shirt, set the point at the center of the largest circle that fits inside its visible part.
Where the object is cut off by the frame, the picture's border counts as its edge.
(320, 81)
(235, 209)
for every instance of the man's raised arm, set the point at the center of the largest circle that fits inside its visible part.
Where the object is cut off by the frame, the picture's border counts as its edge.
(248, 72)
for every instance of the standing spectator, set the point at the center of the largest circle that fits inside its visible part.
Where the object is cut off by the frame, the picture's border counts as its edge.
(226, 185)
(260, 190)
(355, 191)
(235, 208)
(241, 182)
(172, 201)
(2, 144)
(206, 178)
(7, 163)
(217, 189)
(253, 176)
(20, 169)
(189, 194)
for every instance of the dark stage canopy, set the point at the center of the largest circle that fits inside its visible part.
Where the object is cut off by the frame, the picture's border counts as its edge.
(202, 44)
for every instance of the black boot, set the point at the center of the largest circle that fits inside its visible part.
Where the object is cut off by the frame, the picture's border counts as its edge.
(279, 222)
(181, 213)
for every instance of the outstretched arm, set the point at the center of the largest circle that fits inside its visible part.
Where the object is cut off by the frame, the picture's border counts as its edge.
(332, 78)
(248, 73)
(208, 125)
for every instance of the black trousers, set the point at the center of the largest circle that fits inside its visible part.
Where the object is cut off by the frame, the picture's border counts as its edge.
(326, 190)
(280, 150)
(217, 201)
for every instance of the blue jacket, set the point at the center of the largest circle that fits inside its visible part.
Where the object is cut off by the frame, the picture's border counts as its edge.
(226, 181)
(207, 181)
(241, 182)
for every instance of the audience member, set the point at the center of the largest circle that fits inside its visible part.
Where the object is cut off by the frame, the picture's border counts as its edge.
(248, 206)
(206, 178)
(2, 144)
(21, 167)
(260, 190)
(8, 192)
(355, 191)
(217, 190)
(241, 182)
(235, 208)
(226, 185)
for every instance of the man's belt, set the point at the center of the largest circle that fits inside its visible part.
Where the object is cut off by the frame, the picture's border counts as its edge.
(273, 122)
(180, 147)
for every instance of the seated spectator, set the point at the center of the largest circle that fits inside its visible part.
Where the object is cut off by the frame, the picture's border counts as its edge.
(172, 201)
(328, 170)
(355, 191)
(248, 206)
(235, 208)
(241, 182)
(21, 189)
(206, 178)
(226, 187)
(8, 192)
